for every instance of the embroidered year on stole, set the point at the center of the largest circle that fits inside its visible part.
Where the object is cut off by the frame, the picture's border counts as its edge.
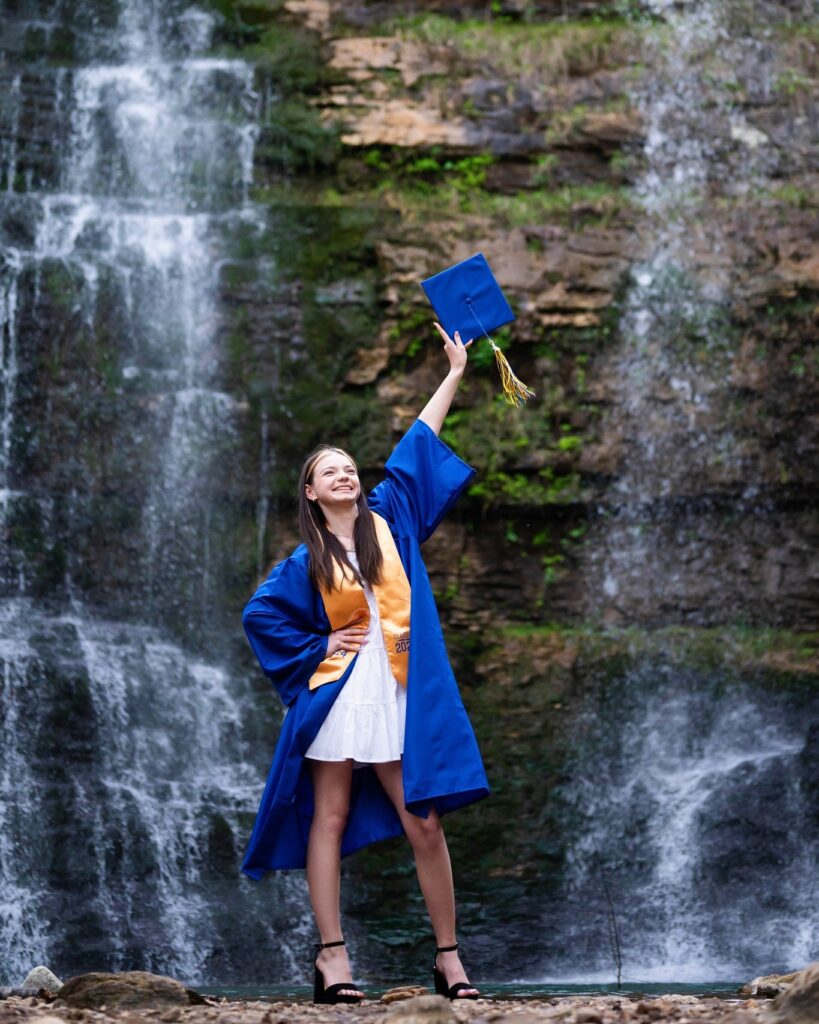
(346, 605)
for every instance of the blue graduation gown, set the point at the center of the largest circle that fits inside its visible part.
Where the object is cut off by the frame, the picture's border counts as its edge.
(287, 628)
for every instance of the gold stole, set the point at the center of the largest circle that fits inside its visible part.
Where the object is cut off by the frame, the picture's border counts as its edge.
(346, 605)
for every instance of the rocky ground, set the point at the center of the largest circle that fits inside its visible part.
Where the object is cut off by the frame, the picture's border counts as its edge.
(137, 997)
(426, 1009)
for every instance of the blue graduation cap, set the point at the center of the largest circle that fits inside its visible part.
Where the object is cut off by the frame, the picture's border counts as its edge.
(468, 299)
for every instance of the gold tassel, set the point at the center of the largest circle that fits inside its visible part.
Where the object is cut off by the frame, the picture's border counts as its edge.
(514, 390)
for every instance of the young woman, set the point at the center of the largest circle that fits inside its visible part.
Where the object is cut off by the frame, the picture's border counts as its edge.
(375, 740)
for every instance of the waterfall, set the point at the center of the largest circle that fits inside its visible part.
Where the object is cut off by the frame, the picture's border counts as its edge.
(132, 744)
(682, 462)
(686, 806)
(687, 810)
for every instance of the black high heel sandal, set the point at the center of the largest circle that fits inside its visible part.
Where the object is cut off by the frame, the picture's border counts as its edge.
(335, 993)
(441, 988)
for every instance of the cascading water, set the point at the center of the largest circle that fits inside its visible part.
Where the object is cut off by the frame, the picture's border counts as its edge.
(134, 738)
(687, 802)
(673, 368)
(129, 765)
(687, 808)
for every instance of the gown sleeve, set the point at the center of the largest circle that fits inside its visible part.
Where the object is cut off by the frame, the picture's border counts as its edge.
(424, 479)
(280, 626)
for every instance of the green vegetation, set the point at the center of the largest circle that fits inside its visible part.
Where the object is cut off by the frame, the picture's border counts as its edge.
(779, 653)
(242, 22)
(293, 59)
(414, 198)
(495, 436)
(294, 137)
(544, 50)
(792, 82)
(578, 205)
(290, 60)
(807, 30)
(426, 172)
(802, 198)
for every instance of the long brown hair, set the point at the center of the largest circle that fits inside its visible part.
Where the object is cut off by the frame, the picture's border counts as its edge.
(325, 548)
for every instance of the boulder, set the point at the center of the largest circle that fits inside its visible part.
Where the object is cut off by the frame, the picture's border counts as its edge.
(799, 1002)
(126, 990)
(767, 985)
(421, 1010)
(41, 978)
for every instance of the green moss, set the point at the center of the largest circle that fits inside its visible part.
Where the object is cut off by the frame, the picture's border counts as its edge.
(493, 435)
(241, 22)
(293, 137)
(298, 382)
(808, 30)
(411, 331)
(787, 311)
(802, 198)
(564, 123)
(792, 83)
(621, 164)
(547, 50)
(782, 655)
(418, 171)
(546, 166)
(292, 57)
(62, 286)
(579, 205)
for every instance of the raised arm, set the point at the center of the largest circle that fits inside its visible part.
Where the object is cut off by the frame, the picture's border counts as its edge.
(434, 412)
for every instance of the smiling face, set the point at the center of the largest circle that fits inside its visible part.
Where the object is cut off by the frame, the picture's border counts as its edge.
(333, 481)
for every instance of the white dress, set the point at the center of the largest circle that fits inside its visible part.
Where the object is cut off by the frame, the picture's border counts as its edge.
(366, 721)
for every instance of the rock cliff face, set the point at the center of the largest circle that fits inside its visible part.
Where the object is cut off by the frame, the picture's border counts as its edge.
(646, 193)
(213, 226)
(644, 184)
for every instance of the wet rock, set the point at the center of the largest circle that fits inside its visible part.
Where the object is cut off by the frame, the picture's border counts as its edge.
(610, 129)
(42, 978)
(370, 362)
(426, 1009)
(395, 995)
(799, 1002)
(313, 14)
(767, 985)
(393, 122)
(127, 989)
(362, 58)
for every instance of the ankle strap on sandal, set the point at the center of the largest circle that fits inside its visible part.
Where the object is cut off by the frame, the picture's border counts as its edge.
(446, 949)
(326, 945)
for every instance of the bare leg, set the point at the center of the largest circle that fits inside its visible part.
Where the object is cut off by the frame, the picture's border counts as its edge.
(331, 789)
(434, 870)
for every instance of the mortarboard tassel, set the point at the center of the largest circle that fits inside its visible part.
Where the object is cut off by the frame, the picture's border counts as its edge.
(514, 390)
